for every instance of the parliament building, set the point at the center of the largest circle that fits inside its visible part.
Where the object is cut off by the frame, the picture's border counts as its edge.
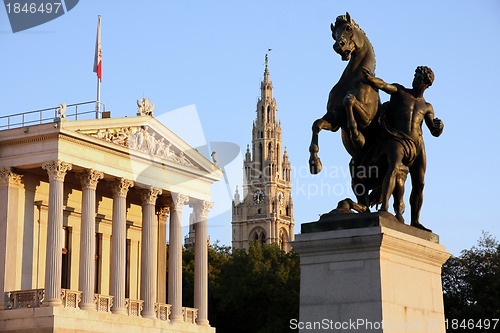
(85, 205)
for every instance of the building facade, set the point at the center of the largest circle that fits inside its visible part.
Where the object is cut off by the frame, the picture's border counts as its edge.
(84, 210)
(264, 211)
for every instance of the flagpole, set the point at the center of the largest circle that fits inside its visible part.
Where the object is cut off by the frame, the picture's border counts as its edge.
(98, 103)
(98, 66)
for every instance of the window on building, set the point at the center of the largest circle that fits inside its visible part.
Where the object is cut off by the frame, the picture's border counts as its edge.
(98, 260)
(127, 268)
(261, 157)
(66, 258)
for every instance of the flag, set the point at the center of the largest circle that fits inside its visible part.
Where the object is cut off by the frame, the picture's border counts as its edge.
(98, 51)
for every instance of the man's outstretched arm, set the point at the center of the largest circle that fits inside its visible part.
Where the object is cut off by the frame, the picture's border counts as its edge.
(378, 83)
(435, 125)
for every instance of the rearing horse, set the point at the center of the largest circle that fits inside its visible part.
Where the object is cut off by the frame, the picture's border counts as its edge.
(352, 103)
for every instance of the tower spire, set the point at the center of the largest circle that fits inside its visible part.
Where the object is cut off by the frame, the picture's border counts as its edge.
(266, 70)
(264, 214)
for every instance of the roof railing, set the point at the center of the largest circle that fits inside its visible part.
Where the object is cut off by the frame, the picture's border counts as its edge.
(77, 111)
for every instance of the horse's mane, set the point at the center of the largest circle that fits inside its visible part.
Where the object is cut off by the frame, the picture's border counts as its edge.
(344, 19)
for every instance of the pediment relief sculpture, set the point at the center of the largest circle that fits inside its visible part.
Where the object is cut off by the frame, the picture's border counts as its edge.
(143, 139)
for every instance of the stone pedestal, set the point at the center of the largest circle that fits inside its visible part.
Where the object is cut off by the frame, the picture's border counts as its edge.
(369, 273)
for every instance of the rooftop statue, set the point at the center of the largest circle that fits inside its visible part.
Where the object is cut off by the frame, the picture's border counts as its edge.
(384, 141)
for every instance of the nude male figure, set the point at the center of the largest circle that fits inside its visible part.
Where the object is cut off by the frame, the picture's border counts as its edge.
(404, 144)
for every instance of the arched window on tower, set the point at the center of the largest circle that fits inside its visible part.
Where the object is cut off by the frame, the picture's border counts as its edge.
(262, 113)
(258, 235)
(268, 113)
(261, 158)
(282, 240)
(278, 156)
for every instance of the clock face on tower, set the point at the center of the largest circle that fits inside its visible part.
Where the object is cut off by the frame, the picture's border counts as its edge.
(258, 197)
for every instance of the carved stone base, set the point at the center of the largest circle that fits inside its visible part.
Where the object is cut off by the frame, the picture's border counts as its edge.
(369, 273)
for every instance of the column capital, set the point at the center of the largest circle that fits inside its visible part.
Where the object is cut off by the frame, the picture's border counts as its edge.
(163, 211)
(149, 195)
(121, 186)
(201, 208)
(7, 177)
(179, 200)
(89, 178)
(57, 169)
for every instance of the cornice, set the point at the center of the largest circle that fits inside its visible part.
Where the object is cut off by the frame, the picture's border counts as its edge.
(30, 139)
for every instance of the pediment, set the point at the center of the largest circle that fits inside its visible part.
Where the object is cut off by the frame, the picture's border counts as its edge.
(144, 134)
(143, 139)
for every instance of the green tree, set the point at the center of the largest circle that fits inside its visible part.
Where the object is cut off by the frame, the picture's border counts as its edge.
(218, 257)
(471, 286)
(258, 291)
(255, 291)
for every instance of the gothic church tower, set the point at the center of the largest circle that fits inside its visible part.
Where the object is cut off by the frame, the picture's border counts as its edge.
(264, 213)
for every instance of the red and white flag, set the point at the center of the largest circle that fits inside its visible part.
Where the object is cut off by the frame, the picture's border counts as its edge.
(98, 51)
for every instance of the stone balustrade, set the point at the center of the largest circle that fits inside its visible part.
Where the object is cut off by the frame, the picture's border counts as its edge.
(70, 298)
(134, 307)
(103, 303)
(31, 298)
(163, 311)
(189, 315)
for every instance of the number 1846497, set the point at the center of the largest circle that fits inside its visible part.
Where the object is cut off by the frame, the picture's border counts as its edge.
(33, 8)
(471, 324)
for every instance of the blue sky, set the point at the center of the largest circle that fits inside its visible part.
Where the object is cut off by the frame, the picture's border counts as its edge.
(211, 54)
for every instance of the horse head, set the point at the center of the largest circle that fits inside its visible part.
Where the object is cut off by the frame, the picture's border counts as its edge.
(348, 36)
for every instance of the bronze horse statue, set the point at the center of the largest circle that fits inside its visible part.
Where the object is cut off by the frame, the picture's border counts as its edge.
(352, 103)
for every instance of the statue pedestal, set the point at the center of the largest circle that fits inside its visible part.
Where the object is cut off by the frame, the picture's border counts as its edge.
(369, 273)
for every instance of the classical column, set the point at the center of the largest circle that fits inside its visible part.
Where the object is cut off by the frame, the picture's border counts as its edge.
(53, 266)
(118, 244)
(149, 248)
(161, 280)
(89, 180)
(201, 209)
(9, 220)
(175, 257)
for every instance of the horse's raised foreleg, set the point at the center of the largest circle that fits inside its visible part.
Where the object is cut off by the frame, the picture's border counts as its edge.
(351, 103)
(314, 161)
